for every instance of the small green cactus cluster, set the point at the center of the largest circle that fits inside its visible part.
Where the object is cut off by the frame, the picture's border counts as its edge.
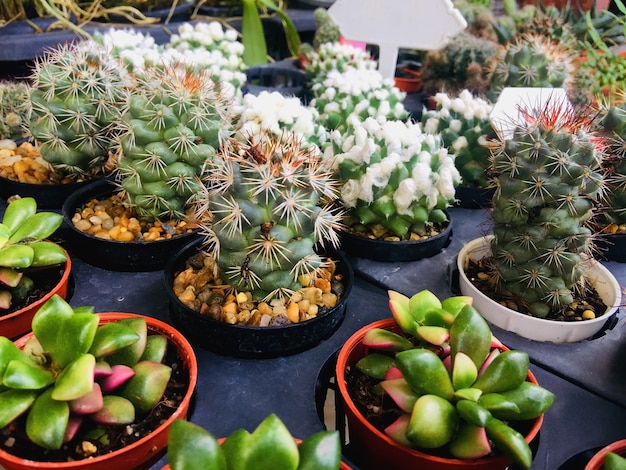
(531, 61)
(393, 174)
(465, 128)
(271, 199)
(549, 179)
(15, 109)
(459, 65)
(333, 56)
(326, 29)
(174, 122)
(77, 99)
(133, 49)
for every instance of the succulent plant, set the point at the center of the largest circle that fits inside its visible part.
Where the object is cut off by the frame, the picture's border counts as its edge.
(456, 386)
(74, 375)
(269, 446)
(548, 181)
(271, 202)
(23, 231)
(174, 122)
(15, 109)
(326, 31)
(77, 100)
(334, 56)
(392, 174)
(463, 123)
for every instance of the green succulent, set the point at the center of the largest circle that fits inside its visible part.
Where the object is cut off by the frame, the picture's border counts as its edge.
(15, 109)
(74, 375)
(457, 388)
(23, 231)
(326, 29)
(548, 181)
(269, 446)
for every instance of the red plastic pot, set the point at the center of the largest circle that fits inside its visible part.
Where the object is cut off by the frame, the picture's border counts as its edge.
(147, 450)
(15, 324)
(378, 449)
(597, 461)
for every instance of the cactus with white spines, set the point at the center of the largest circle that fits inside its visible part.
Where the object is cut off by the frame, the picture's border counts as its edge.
(549, 180)
(77, 100)
(271, 202)
(15, 109)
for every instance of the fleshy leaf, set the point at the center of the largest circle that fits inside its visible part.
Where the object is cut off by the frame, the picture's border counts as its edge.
(112, 337)
(130, 355)
(464, 371)
(435, 335)
(425, 372)
(76, 379)
(115, 410)
(14, 403)
(48, 322)
(73, 425)
(397, 430)
(89, 403)
(320, 451)
(401, 393)
(385, 340)
(146, 387)
(26, 376)
(271, 446)
(455, 304)
(119, 375)
(469, 442)
(191, 447)
(375, 365)
(47, 420)
(156, 348)
(421, 303)
(399, 306)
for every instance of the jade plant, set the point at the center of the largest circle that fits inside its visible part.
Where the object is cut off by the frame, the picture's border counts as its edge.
(75, 377)
(23, 247)
(548, 180)
(457, 388)
(269, 446)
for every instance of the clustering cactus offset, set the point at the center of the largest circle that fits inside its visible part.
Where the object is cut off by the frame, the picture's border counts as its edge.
(270, 198)
(465, 128)
(174, 122)
(15, 109)
(75, 377)
(548, 180)
(393, 174)
(326, 31)
(333, 56)
(77, 100)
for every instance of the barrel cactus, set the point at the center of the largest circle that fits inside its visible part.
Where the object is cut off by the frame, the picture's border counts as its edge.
(271, 201)
(174, 122)
(549, 178)
(77, 100)
(14, 109)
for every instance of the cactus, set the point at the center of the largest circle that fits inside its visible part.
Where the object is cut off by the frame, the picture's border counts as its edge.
(326, 30)
(271, 202)
(548, 180)
(465, 129)
(15, 110)
(174, 122)
(77, 100)
(393, 174)
(330, 56)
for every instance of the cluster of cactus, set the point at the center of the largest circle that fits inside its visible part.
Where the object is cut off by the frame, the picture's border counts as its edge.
(135, 50)
(74, 375)
(393, 174)
(326, 30)
(548, 180)
(336, 57)
(77, 99)
(174, 122)
(459, 65)
(457, 387)
(530, 61)
(15, 109)
(271, 200)
(23, 245)
(465, 128)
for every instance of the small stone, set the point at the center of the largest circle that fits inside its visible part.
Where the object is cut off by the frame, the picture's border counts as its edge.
(588, 315)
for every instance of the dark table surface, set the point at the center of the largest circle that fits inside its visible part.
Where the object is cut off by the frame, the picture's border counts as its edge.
(587, 377)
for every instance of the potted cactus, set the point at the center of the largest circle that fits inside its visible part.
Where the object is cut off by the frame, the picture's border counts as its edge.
(74, 386)
(441, 391)
(269, 446)
(32, 269)
(539, 260)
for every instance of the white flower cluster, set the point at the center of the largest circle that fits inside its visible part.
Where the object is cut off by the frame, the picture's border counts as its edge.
(380, 148)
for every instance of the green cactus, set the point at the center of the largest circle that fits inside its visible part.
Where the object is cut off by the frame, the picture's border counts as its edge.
(77, 100)
(174, 122)
(465, 128)
(332, 56)
(271, 201)
(15, 109)
(549, 179)
(326, 29)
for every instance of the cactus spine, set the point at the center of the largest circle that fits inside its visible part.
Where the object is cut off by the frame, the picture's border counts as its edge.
(549, 178)
(14, 109)
(271, 201)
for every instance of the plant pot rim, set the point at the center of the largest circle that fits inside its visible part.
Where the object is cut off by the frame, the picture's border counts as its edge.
(538, 329)
(342, 362)
(104, 462)
(597, 461)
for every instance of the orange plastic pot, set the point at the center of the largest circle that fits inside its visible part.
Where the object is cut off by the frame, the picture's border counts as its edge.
(147, 450)
(380, 451)
(597, 461)
(15, 324)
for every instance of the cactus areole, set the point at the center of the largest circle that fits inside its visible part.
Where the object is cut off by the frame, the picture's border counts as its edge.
(549, 180)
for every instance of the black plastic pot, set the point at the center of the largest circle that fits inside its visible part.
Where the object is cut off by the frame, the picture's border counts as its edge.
(382, 250)
(282, 77)
(112, 254)
(473, 198)
(252, 341)
(48, 196)
(611, 247)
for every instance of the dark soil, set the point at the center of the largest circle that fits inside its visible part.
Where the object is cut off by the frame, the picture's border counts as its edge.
(116, 437)
(587, 299)
(45, 279)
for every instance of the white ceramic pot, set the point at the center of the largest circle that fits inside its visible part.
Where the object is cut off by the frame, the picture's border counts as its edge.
(538, 329)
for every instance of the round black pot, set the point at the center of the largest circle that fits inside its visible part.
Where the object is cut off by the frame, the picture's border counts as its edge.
(611, 247)
(252, 341)
(473, 198)
(48, 196)
(382, 250)
(112, 254)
